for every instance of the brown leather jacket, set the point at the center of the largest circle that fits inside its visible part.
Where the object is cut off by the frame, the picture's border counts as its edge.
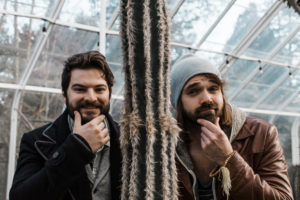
(258, 170)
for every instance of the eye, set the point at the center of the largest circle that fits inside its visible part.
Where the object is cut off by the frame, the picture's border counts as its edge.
(193, 92)
(79, 89)
(214, 88)
(99, 90)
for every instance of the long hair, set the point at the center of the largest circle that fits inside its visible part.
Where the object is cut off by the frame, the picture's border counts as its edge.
(226, 117)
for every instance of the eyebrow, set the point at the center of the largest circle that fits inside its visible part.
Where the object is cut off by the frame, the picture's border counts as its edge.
(80, 85)
(196, 84)
(191, 86)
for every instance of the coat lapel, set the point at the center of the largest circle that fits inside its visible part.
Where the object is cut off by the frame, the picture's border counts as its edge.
(52, 136)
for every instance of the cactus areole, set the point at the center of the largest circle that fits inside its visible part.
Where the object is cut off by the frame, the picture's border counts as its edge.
(148, 131)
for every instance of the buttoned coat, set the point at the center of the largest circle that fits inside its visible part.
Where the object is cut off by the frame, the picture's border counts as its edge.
(51, 164)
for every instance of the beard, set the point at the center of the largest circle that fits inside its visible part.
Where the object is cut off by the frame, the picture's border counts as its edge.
(102, 106)
(202, 112)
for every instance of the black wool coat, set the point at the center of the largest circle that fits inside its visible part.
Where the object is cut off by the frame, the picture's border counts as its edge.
(51, 164)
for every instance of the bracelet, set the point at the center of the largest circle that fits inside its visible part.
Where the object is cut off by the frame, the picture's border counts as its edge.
(214, 172)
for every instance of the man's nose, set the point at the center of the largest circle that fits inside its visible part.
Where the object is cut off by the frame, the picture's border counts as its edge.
(205, 97)
(90, 95)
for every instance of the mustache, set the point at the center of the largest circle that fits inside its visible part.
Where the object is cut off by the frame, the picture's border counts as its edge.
(87, 104)
(206, 106)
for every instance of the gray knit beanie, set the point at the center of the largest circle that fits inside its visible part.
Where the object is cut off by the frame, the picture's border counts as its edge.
(184, 69)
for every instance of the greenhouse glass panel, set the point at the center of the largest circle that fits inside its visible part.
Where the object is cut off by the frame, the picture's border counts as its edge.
(76, 11)
(119, 79)
(290, 53)
(194, 18)
(215, 59)
(18, 38)
(240, 70)
(276, 31)
(114, 59)
(5, 117)
(294, 105)
(236, 24)
(116, 109)
(275, 99)
(251, 93)
(64, 43)
(113, 49)
(270, 74)
(231, 86)
(116, 25)
(177, 52)
(293, 82)
(40, 8)
(283, 125)
(111, 6)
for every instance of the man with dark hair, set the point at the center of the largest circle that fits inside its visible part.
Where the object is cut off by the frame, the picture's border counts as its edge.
(77, 156)
(222, 153)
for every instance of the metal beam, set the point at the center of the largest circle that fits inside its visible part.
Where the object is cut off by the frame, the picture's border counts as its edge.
(102, 39)
(176, 8)
(236, 56)
(284, 104)
(214, 25)
(295, 142)
(25, 76)
(253, 33)
(57, 21)
(270, 112)
(281, 79)
(32, 88)
(272, 55)
(113, 18)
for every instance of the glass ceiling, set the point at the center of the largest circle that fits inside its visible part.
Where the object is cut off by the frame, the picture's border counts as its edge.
(255, 43)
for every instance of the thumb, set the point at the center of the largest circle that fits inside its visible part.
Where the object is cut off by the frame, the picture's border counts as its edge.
(217, 122)
(77, 119)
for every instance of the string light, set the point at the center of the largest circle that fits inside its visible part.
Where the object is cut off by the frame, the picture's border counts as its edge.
(290, 71)
(260, 67)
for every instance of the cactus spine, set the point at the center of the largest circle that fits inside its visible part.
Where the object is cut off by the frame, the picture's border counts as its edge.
(148, 131)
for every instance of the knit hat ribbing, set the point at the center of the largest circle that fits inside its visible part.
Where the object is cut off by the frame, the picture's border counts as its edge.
(184, 69)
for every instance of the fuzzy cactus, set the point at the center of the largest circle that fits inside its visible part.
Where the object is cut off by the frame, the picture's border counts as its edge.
(148, 131)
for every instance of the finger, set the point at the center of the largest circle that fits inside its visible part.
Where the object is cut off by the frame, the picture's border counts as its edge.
(106, 139)
(104, 133)
(207, 133)
(204, 141)
(77, 119)
(101, 126)
(217, 122)
(205, 123)
(98, 119)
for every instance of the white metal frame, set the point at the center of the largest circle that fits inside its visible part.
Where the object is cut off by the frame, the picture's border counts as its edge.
(253, 33)
(295, 142)
(272, 55)
(213, 26)
(103, 30)
(15, 105)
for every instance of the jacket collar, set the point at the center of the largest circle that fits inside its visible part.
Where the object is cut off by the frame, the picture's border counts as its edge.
(52, 136)
(56, 132)
(238, 121)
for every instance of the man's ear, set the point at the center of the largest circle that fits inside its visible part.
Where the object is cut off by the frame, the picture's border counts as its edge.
(64, 96)
(110, 93)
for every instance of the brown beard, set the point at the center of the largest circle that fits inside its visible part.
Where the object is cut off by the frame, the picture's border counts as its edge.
(84, 104)
(197, 114)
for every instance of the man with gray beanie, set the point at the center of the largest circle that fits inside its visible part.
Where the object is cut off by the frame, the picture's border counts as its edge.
(222, 153)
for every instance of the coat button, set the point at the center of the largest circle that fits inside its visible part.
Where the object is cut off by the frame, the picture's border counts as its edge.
(55, 155)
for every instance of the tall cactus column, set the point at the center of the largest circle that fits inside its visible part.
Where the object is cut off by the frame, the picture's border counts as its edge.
(148, 131)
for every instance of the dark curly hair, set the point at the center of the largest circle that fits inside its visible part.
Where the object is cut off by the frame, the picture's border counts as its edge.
(87, 60)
